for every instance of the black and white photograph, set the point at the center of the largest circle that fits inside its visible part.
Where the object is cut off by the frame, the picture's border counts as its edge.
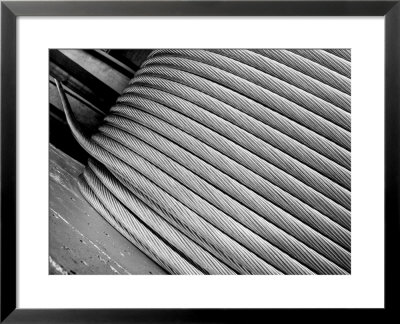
(200, 161)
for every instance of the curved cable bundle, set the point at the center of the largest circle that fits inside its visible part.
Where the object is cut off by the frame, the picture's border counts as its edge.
(229, 161)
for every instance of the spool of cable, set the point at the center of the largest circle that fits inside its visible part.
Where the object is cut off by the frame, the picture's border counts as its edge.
(229, 161)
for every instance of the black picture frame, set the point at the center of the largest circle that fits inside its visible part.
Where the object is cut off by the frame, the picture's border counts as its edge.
(10, 10)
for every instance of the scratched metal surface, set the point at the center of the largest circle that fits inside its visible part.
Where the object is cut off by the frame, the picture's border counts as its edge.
(80, 240)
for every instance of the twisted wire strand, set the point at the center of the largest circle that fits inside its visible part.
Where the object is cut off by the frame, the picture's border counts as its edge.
(138, 234)
(308, 67)
(156, 133)
(249, 151)
(244, 260)
(201, 184)
(204, 229)
(259, 110)
(155, 144)
(229, 161)
(173, 209)
(193, 252)
(266, 97)
(311, 238)
(283, 134)
(202, 206)
(224, 222)
(270, 253)
(322, 90)
(342, 53)
(321, 99)
(326, 59)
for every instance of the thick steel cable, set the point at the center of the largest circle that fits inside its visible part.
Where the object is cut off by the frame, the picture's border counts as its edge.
(228, 161)
(268, 231)
(326, 59)
(269, 252)
(278, 78)
(309, 68)
(202, 174)
(180, 67)
(99, 177)
(222, 162)
(343, 53)
(122, 219)
(273, 128)
(199, 205)
(280, 116)
(206, 209)
(201, 125)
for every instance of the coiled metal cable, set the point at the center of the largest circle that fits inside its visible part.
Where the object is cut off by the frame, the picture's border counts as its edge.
(229, 161)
